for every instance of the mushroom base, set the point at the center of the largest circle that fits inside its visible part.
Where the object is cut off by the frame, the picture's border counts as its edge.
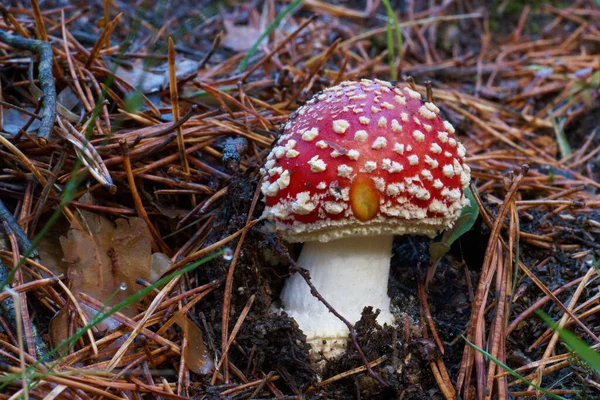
(350, 274)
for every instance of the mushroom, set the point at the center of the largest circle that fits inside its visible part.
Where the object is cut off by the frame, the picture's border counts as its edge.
(358, 163)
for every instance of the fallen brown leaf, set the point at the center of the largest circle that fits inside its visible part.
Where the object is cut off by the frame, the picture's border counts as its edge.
(106, 259)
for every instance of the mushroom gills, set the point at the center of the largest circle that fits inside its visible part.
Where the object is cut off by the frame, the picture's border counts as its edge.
(350, 274)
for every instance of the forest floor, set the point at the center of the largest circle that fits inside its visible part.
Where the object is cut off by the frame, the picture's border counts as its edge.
(140, 197)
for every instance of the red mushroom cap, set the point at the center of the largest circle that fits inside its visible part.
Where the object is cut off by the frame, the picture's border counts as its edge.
(365, 158)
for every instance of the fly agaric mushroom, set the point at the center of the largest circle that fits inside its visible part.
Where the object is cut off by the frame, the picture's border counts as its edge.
(358, 163)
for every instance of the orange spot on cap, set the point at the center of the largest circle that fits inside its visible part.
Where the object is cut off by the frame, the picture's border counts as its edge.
(364, 198)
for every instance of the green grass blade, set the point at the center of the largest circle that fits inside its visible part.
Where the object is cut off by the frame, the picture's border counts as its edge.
(390, 46)
(512, 372)
(399, 39)
(288, 10)
(390, 40)
(563, 144)
(579, 347)
(393, 27)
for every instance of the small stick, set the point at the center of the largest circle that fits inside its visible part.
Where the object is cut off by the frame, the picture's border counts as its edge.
(12, 314)
(104, 38)
(428, 317)
(22, 158)
(21, 298)
(351, 372)
(262, 384)
(175, 125)
(39, 20)
(447, 390)
(22, 239)
(19, 109)
(469, 357)
(44, 50)
(429, 89)
(519, 318)
(277, 48)
(215, 45)
(411, 82)
(312, 73)
(235, 331)
(19, 328)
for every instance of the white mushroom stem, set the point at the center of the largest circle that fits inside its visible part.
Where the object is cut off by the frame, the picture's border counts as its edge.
(350, 274)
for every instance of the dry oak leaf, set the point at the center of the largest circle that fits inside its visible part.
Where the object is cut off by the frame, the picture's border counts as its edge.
(106, 259)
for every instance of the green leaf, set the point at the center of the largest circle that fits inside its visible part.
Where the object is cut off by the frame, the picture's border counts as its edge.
(511, 371)
(288, 10)
(438, 249)
(462, 225)
(579, 347)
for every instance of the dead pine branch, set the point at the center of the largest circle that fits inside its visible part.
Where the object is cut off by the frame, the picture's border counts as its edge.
(44, 51)
(8, 305)
(22, 239)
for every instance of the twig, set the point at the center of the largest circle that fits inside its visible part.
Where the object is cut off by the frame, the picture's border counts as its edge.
(22, 238)
(44, 50)
(428, 317)
(7, 308)
(351, 372)
(215, 45)
(22, 309)
(175, 125)
(262, 384)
